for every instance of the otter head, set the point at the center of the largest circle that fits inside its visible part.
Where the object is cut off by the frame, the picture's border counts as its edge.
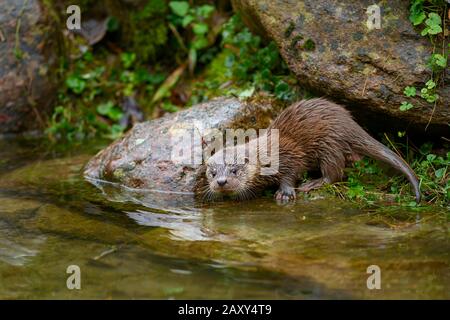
(229, 177)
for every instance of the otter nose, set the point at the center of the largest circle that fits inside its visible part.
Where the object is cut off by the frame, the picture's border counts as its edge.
(221, 181)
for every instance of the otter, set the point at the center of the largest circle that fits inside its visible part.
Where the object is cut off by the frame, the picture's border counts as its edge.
(314, 134)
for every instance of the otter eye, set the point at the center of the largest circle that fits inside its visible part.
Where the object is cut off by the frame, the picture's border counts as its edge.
(234, 171)
(213, 172)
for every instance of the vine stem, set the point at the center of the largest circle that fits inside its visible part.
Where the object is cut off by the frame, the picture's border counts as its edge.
(443, 54)
(431, 116)
(18, 25)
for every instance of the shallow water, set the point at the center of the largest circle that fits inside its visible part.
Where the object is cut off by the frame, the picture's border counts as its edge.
(131, 244)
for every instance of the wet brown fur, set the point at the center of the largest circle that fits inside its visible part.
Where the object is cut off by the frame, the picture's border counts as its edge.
(317, 134)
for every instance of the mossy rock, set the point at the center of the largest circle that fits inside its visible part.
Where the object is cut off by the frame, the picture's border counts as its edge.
(142, 23)
(29, 57)
(331, 50)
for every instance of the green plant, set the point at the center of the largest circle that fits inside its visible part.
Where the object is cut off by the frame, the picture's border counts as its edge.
(147, 30)
(90, 102)
(433, 171)
(410, 91)
(429, 14)
(244, 66)
(406, 106)
(368, 184)
(428, 93)
(192, 20)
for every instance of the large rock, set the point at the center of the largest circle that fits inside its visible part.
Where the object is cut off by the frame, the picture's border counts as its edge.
(29, 45)
(142, 159)
(328, 45)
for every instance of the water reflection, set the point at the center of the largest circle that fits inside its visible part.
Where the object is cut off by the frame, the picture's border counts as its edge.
(151, 244)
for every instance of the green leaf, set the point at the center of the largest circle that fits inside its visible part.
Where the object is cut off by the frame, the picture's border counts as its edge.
(112, 24)
(431, 97)
(128, 59)
(426, 148)
(173, 290)
(143, 76)
(428, 94)
(356, 191)
(440, 172)
(433, 24)
(205, 11)
(431, 157)
(115, 131)
(247, 92)
(200, 28)
(88, 56)
(418, 18)
(169, 107)
(115, 114)
(412, 204)
(180, 8)
(405, 106)
(433, 19)
(104, 108)
(438, 60)
(309, 45)
(192, 58)
(417, 15)
(281, 87)
(430, 84)
(200, 43)
(410, 91)
(187, 20)
(266, 74)
(76, 84)
(424, 32)
(108, 109)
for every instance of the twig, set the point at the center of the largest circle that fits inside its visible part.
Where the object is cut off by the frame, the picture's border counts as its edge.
(431, 116)
(178, 37)
(365, 83)
(104, 253)
(18, 25)
(168, 84)
(2, 36)
(392, 145)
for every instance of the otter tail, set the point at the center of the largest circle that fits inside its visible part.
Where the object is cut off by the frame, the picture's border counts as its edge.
(378, 151)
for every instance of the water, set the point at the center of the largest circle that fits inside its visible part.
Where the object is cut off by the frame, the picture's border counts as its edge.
(131, 244)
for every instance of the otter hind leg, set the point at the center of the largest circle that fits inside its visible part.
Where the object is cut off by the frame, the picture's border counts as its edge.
(332, 171)
(311, 185)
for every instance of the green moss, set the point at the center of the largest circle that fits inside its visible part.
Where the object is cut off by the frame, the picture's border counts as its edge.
(289, 29)
(148, 29)
(215, 75)
(295, 41)
(309, 45)
(85, 4)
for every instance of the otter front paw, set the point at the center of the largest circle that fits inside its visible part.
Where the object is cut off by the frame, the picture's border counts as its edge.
(285, 194)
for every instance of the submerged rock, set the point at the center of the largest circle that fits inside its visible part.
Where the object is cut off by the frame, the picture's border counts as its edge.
(328, 45)
(51, 219)
(143, 157)
(28, 56)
